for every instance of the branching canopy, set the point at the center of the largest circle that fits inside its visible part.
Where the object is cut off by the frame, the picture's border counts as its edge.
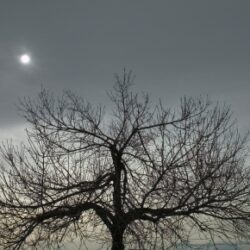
(142, 175)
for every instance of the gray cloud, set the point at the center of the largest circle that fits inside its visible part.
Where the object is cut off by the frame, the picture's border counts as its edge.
(175, 48)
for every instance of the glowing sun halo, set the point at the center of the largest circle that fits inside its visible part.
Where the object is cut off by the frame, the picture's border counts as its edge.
(25, 59)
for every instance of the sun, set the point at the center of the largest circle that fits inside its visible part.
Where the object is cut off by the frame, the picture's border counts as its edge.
(25, 59)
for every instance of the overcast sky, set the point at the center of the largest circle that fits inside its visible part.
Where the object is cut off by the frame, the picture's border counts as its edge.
(174, 48)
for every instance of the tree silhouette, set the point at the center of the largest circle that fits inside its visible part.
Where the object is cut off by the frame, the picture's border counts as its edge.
(142, 175)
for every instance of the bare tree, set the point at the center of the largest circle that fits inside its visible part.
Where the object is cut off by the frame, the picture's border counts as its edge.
(143, 176)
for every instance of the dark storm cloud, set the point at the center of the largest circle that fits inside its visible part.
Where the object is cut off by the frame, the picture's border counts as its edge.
(175, 48)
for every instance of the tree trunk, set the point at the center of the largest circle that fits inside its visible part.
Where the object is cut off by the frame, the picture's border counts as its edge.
(117, 241)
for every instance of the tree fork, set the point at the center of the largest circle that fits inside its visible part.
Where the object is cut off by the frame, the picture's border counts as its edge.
(117, 181)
